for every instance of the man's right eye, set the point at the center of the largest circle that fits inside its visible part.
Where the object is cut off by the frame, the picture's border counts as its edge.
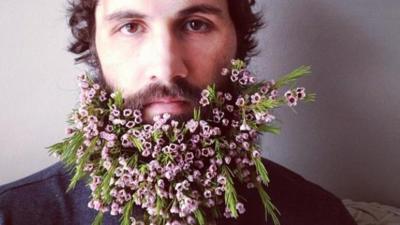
(131, 28)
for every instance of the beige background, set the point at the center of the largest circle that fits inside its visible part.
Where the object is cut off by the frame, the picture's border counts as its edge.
(348, 141)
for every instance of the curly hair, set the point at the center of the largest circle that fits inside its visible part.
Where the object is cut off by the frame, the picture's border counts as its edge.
(81, 14)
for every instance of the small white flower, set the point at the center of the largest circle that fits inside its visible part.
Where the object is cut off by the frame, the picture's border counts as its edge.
(244, 126)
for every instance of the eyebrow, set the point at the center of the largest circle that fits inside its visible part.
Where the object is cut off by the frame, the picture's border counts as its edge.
(201, 8)
(123, 14)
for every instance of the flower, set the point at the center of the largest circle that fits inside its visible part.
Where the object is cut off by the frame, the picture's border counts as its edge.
(240, 208)
(240, 101)
(301, 93)
(127, 112)
(224, 71)
(187, 165)
(204, 102)
(244, 126)
(255, 98)
(234, 78)
(205, 93)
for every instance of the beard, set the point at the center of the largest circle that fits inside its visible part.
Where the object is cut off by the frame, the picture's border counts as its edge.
(153, 164)
(177, 88)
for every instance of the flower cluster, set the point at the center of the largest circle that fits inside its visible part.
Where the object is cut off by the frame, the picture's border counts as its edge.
(178, 172)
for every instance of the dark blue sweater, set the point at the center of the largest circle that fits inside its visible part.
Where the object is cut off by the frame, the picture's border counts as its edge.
(40, 199)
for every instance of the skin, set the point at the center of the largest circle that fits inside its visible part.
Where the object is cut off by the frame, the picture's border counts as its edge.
(161, 41)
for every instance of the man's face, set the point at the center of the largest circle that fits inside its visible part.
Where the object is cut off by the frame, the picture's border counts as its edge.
(161, 52)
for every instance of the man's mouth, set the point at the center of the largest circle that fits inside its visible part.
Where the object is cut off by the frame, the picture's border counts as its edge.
(166, 100)
(172, 105)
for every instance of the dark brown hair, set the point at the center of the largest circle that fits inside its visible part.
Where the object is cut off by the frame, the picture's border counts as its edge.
(81, 14)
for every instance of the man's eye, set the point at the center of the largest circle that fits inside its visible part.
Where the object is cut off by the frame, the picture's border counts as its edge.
(196, 26)
(131, 28)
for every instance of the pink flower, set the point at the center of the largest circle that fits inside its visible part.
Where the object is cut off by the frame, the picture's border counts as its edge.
(127, 112)
(301, 93)
(255, 98)
(264, 90)
(240, 208)
(83, 112)
(255, 154)
(224, 71)
(235, 72)
(96, 86)
(130, 124)
(234, 78)
(205, 93)
(207, 194)
(230, 108)
(204, 101)
(288, 94)
(245, 126)
(137, 113)
(252, 79)
(221, 180)
(228, 96)
(243, 81)
(292, 101)
(240, 101)
(192, 125)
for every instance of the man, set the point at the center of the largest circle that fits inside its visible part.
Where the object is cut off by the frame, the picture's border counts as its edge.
(160, 53)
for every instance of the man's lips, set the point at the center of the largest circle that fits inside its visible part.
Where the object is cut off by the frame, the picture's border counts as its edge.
(166, 100)
(170, 105)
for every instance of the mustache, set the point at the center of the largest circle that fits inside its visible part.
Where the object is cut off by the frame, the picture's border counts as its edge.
(179, 88)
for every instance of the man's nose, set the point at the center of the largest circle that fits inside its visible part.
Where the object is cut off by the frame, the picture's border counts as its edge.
(165, 59)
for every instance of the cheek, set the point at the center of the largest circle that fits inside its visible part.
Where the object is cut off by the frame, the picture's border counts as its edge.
(209, 57)
(118, 67)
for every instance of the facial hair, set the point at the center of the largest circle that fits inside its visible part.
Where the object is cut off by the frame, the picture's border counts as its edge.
(178, 88)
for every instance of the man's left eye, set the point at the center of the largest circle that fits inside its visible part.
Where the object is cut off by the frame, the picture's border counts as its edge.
(196, 26)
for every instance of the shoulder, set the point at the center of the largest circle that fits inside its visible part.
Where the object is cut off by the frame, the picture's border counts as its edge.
(28, 199)
(42, 198)
(45, 181)
(35, 179)
(298, 200)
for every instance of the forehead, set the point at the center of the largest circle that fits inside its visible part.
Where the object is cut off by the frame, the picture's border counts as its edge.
(157, 8)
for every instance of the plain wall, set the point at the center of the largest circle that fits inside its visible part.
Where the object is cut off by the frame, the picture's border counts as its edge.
(347, 141)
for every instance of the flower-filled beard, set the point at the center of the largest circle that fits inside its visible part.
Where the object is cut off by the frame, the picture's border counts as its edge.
(178, 171)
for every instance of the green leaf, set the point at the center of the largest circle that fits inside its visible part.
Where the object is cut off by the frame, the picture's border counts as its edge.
(261, 171)
(270, 209)
(118, 99)
(57, 148)
(127, 212)
(160, 204)
(99, 219)
(196, 114)
(133, 160)
(143, 168)
(238, 64)
(230, 192)
(199, 217)
(68, 148)
(79, 173)
(218, 149)
(310, 97)
(251, 89)
(268, 128)
(265, 105)
(105, 185)
(293, 76)
(157, 134)
(212, 97)
(136, 142)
